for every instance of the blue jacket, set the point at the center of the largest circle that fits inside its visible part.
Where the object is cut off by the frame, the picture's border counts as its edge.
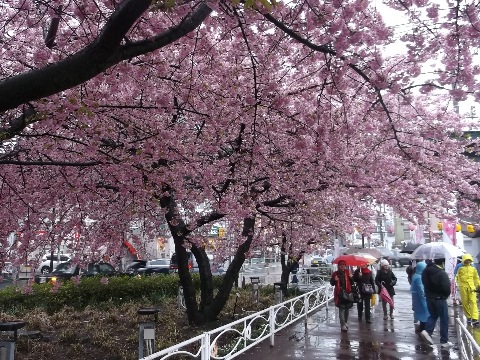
(419, 302)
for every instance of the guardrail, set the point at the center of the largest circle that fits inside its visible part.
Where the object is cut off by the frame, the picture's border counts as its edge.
(233, 339)
(467, 345)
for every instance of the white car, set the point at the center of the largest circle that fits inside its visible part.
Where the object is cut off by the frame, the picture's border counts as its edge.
(44, 267)
(7, 270)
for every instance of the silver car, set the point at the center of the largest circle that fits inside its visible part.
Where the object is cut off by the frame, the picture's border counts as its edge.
(155, 266)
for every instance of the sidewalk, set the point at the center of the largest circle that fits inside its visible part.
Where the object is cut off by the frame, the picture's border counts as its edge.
(321, 337)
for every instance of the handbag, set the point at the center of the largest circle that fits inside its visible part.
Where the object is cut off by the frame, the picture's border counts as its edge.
(345, 296)
(367, 289)
(356, 294)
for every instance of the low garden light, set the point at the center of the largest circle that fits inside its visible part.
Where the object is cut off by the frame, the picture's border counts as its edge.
(440, 226)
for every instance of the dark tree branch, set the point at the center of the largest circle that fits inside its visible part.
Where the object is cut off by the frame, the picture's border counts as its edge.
(106, 51)
(52, 29)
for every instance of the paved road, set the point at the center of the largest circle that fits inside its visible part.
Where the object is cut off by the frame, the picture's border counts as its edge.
(321, 337)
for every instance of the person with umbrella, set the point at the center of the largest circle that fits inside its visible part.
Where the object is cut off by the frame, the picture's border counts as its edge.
(363, 277)
(385, 278)
(342, 280)
(437, 290)
(468, 282)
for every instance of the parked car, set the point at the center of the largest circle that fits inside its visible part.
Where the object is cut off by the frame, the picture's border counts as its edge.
(44, 267)
(133, 267)
(67, 270)
(403, 259)
(388, 255)
(318, 261)
(174, 263)
(156, 266)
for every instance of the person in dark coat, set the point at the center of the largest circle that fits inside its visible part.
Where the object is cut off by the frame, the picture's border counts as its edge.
(410, 271)
(364, 276)
(386, 278)
(437, 290)
(341, 279)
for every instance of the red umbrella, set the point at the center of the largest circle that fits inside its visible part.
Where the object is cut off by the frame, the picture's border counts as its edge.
(386, 296)
(351, 260)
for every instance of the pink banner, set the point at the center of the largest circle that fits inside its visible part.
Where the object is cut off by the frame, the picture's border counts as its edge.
(449, 230)
(419, 238)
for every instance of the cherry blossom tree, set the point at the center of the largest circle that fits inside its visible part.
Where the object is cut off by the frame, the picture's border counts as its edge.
(286, 121)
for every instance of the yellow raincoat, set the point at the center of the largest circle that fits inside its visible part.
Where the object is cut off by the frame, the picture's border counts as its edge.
(468, 281)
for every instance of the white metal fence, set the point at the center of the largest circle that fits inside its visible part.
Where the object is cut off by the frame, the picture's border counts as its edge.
(467, 345)
(235, 338)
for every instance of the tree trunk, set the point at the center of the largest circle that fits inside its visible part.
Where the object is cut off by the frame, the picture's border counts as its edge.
(287, 265)
(210, 306)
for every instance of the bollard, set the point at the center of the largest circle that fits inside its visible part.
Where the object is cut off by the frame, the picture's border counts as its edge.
(7, 347)
(146, 337)
(255, 286)
(278, 292)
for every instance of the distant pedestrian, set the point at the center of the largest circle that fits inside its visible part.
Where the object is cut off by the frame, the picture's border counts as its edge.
(342, 280)
(410, 271)
(363, 277)
(458, 266)
(437, 290)
(468, 282)
(386, 278)
(456, 294)
(419, 302)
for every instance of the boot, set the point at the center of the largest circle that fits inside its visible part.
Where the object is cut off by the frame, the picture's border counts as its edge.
(360, 316)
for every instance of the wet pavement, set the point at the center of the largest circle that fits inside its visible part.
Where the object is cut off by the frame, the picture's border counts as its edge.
(321, 338)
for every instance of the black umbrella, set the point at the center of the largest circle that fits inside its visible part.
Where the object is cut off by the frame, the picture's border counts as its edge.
(409, 247)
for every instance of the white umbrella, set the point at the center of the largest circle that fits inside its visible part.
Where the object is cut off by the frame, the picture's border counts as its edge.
(370, 258)
(373, 252)
(436, 250)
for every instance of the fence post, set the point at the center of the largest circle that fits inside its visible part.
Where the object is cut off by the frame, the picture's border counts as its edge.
(326, 297)
(255, 286)
(278, 292)
(206, 350)
(180, 298)
(305, 305)
(272, 325)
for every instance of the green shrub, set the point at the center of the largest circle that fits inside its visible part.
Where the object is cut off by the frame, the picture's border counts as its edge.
(90, 292)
